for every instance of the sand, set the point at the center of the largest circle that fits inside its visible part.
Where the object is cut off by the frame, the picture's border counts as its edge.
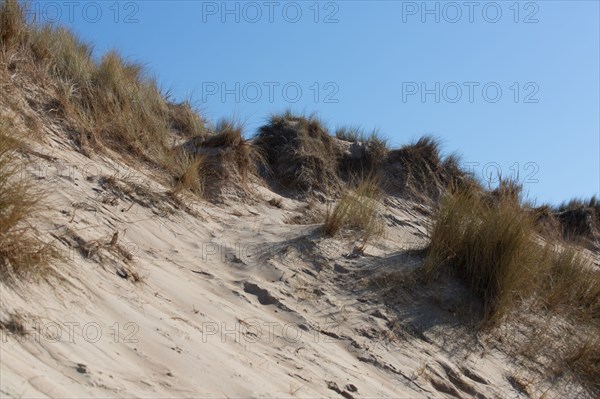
(231, 300)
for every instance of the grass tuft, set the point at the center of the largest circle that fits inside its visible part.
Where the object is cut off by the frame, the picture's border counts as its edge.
(491, 241)
(22, 254)
(365, 153)
(13, 25)
(487, 243)
(107, 104)
(224, 157)
(570, 285)
(357, 208)
(577, 203)
(354, 134)
(185, 120)
(579, 221)
(190, 174)
(419, 170)
(300, 152)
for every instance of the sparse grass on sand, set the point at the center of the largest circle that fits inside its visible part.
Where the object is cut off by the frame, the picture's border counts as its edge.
(238, 158)
(490, 241)
(191, 174)
(489, 244)
(108, 104)
(22, 254)
(222, 157)
(366, 154)
(357, 208)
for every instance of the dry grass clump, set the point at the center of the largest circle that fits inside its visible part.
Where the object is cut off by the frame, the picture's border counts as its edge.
(508, 190)
(571, 285)
(545, 221)
(191, 173)
(12, 23)
(577, 203)
(493, 244)
(355, 134)
(227, 133)
(491, 241)
(301, 154)
(358, 209)
(238, 158)
(576, 221)
(61, 55)
(488, 244)
(111, 103)
(22, 254)
(418, 169)
(304, 157)
(122, 109)
(351, 134)
(365, 152)
(580, 222)
(222, 157)
(185, 120)
(14, 324)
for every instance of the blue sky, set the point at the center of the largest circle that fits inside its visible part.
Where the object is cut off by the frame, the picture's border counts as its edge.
(509, 85)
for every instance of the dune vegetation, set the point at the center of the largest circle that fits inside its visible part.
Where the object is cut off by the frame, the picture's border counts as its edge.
(23, 255)
(490, 241)
(515, 258)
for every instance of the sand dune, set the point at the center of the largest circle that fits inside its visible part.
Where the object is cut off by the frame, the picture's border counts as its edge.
(187, 260)
(231, 301)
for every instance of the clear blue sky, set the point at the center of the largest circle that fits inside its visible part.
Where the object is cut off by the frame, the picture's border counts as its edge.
(371, 60)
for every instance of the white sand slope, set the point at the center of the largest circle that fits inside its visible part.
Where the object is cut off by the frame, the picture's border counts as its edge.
(232, 302)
